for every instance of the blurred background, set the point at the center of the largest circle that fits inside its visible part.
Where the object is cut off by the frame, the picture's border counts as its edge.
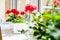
(42, 5)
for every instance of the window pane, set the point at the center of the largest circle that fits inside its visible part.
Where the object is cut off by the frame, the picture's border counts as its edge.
(21, 5)
(47, 2)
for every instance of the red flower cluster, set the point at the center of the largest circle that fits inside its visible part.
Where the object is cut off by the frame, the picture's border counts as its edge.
(14, 11)
(8, 11)
(23, 13)
(30, 8)
(55, 3)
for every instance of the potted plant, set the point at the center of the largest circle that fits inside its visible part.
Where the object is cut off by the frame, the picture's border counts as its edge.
(19, 19)
(16, 17)
(47, 24)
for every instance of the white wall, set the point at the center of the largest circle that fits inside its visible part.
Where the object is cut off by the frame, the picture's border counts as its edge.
(2, 9)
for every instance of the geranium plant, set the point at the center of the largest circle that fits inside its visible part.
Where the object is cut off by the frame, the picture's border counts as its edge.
(15, 16)
(19, 17)
(29, 9)
(47, 24)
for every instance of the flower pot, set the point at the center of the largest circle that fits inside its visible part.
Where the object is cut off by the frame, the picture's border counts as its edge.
(19, 26)
(6, 28)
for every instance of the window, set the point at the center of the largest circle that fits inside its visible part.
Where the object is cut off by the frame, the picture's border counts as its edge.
(47, 5)
(20, 4)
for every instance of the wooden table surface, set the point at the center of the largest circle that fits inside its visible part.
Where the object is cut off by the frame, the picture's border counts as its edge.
(0, 34)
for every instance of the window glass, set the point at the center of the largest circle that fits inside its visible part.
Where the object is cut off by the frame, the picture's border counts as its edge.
(47, 2)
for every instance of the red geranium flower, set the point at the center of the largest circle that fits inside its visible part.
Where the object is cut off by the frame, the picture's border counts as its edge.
(29, 8)
(15, 12)
(32, 9)
(55, 3)
(22, 13)
(8, 11)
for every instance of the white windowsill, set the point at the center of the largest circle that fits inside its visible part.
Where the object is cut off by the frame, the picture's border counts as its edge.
(15, 37)
(49, 7)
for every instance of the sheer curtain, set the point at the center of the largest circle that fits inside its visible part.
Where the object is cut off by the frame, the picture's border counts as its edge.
(2, 10)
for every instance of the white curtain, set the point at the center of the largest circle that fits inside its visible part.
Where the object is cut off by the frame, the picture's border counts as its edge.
(2, 9)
